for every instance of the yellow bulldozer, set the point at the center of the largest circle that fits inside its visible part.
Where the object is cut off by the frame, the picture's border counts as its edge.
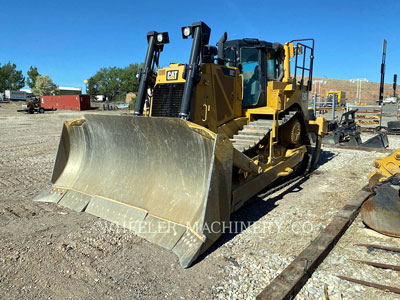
(214, 133)
(338, 96)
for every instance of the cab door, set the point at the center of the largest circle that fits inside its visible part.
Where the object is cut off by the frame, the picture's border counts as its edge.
(254, 77)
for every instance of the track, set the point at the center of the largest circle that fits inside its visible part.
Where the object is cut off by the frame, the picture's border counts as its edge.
(255, 135)
(257, 132)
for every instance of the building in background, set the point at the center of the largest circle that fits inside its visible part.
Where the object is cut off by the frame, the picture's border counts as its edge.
(62, 90)
(130, 97)
(65, 90)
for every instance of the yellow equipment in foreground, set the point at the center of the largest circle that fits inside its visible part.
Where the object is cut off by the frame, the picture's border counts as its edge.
(385, 168)
(215, 132)
(381, 211)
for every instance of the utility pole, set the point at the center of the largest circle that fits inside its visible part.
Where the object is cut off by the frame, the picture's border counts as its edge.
(358, 90)
(319, 82)
(394, 84)
(86, 83)
(382, 72)
(358, 93)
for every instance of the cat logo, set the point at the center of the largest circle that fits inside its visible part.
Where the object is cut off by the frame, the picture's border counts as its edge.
(172, 75)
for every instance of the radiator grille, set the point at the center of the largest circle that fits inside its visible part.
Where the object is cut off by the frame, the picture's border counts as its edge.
(167, 100)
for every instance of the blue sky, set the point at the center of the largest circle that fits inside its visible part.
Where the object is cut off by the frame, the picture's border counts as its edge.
(71, 40)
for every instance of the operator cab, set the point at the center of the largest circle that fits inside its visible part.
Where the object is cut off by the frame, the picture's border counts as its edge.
(258, 61)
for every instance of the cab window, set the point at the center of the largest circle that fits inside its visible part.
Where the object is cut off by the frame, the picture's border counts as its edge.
(229, 57)
(249, 58)
(274, 66)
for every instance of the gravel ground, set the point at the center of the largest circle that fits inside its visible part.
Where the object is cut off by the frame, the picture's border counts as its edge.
(338, 263)
(49, 252)
(296, 217)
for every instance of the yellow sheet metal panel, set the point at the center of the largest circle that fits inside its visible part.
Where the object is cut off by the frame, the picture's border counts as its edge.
(288, 47)
(217, 98)
(171, 74)
(385, 168)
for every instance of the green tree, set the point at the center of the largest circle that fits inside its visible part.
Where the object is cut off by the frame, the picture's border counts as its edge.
(113, 82)
(128, 78)
(11, 78)
(93, 86)
(44, 86)
(32, 75)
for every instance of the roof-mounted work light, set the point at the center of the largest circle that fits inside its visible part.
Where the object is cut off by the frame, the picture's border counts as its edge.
(187, 31)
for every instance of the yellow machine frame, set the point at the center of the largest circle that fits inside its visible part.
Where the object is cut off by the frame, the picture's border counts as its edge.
(181, 165)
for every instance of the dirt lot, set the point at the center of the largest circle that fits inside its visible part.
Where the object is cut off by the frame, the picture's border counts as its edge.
(49, 252)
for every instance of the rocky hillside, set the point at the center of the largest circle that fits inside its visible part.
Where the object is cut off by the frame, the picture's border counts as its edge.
(369, 90)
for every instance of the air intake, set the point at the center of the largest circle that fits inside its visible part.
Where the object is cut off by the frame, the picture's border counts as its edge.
(167, 100)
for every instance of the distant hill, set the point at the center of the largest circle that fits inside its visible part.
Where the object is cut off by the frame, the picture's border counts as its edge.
(369, 90)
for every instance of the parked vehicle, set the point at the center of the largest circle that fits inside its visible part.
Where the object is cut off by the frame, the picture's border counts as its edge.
(33, 105)
(99, 98)
(123, 105)
(390, 100)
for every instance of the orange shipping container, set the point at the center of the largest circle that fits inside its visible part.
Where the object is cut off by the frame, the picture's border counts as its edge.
(66, 102)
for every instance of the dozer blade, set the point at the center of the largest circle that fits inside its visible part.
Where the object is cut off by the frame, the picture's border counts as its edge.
(166, 179)
(381, 212)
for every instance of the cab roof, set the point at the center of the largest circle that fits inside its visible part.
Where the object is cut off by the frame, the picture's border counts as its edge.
(253, 43)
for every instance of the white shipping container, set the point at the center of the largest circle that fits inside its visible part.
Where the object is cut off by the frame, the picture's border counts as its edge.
(15, 95)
